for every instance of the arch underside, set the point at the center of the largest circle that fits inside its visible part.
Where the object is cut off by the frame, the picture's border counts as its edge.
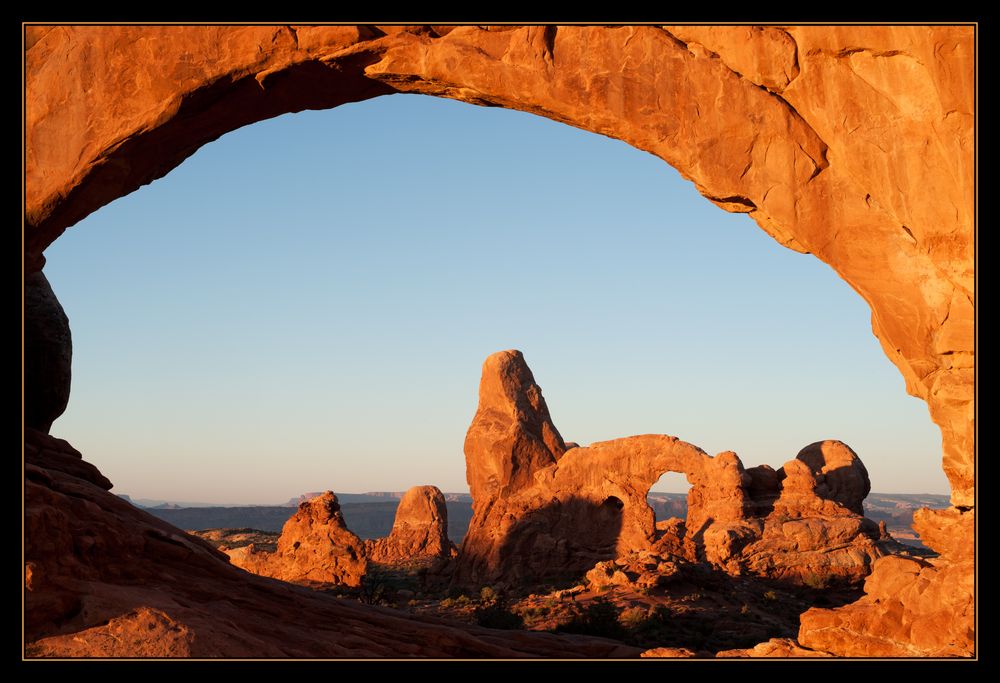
(828, 137)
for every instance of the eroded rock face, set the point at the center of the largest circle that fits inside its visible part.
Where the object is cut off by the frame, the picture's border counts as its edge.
(105, 579)
(420, 529)
(911, 608)
(840, 470)
(590, 504)
(512, 433)
(315, 548)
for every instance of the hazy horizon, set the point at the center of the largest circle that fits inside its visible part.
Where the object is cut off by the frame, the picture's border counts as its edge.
(305, 304)
(142, 500)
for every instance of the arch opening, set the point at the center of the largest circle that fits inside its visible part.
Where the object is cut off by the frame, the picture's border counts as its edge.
(668, 496)
(365, 247)
(86, 168)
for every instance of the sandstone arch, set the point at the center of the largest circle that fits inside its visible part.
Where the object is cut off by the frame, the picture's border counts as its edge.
(829, 137)
(544, 513)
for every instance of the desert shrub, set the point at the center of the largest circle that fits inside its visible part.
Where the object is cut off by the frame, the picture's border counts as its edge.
(745, 609)
(632, 617)
(655, 626)
(599, 618)
(817, 581)
(535, 612)
(374, 589)
(771, 596)
(463, 600)
(495, 612)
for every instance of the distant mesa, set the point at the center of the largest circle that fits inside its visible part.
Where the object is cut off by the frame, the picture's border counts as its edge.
(295, 502)
(371, 497)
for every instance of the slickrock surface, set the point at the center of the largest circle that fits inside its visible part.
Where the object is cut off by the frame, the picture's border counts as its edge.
(420, 529)
(776, 647)
(105, 579)
(315, 547)
(668, 652)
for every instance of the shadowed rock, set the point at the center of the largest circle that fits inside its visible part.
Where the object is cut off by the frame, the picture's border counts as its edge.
(48, 354)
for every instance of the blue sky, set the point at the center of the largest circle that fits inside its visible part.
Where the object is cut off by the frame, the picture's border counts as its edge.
(306, 303)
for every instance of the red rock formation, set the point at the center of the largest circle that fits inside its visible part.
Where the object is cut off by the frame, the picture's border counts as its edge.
(512, 434)
(420, 529)
(590, 504)
(315, 547)
(669, 652)
(776, 647)
(105, 579)
(846, 183)
(911, 608)
(577, 507)
(840, 470)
